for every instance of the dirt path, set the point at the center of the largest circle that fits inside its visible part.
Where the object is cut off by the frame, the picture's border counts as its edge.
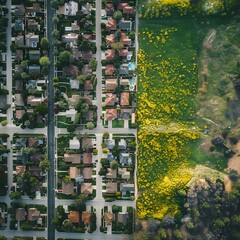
(234, 162)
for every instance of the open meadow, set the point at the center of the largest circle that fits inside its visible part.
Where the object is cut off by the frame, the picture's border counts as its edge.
(183, 67)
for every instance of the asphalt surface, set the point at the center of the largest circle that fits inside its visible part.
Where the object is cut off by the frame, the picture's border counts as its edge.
(51, 128)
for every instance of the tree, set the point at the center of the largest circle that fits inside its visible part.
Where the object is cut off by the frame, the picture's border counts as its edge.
(117, 46)
(4, 123)
(41, 109)
(90, 125)
(71, 128)
(55, 20)
(3, 149)
(93, 64)
(55, 34)
(44, 43)
(15, 195)
(114, 164)
(79, 203)
(117, 15)
(24, 64)
(102, 172)
(106, 135)
(115, 3)
(44, 61)
(45, 165)
(68, 225)
(132, 35)
(65, 58)
(115, 209)
(67, 179)
(84, 108)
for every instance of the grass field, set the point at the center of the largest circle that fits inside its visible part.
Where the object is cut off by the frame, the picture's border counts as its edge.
(173, 57)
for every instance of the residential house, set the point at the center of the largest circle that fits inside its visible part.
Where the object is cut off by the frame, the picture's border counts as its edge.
(19, 10)
(88, 86)
(32, 24)
(71, 113)
(110, 157)
(110, 99)
(89, 115)
(86, 55)
(111, 25)
(88, 99)
(19, 40)
(86, 8)
(31, 40)
(74, 143)
(125, 174)
(86, 70)
(35, 8)
(72, 158)
(32, 142)
(124, 157)
(111, 187)
(71, 71)
(74, 26)
(126, 188)
(124, 99)
(73, 217)
(87, 143)
(34, 101)
(125, 25)
(19, 55)
(31, 84)
(69, 9)
(124, 81)
(36, 157)
(73, 101)
(110, 54)
(19, 25)
(74, 172)
(111, 173)
(124, 39)
(33, 214)
(123, 52)
(123, 71)
(34, 69)
(109, 70)
(108, 217)
(34, 54)
(74, 84)
(87, 37)
(122, 217)
(35, 171)
(19, 114)
(87, 173)
(67, 188)
(70, 37)
(110, 143)
(126, 8)
(86, 218)
(122, 144)
(111, 84)
(20, 214)
(110, 39)
(19, 99)
(19, 85)
(87, 158)
(86, 188)
(126, 113)
(20, 170)
(111, 114)
(109, 8)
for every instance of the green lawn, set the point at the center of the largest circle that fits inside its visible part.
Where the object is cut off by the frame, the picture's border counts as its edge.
(63, 121)
(118, 123)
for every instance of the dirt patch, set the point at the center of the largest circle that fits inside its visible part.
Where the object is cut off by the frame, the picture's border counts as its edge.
(205, 146)
(228, 183)
(234, 162)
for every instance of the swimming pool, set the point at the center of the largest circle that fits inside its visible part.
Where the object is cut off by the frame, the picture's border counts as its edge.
(131, 66)
(132, 84)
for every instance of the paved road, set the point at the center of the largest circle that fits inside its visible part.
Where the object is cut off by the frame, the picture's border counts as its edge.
(98, 57)
(51, 127)
(9, 63)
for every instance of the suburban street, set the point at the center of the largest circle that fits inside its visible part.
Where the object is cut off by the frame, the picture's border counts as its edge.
(51, 132)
